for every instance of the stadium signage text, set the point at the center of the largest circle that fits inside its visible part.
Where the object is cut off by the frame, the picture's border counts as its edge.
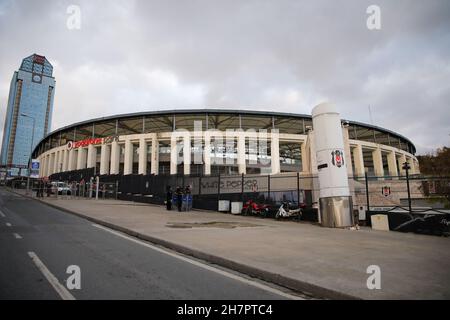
(83, 143)
(89, 141)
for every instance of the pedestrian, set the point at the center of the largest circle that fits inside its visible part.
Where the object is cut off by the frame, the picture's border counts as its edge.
(41, 188)
(49, 189)
(188, 197)
(179, 198)
(169, 195)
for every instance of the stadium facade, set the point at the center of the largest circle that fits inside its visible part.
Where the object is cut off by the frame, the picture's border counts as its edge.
(211, 142)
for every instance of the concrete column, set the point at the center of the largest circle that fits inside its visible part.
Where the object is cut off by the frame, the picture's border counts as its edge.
(51, 164)
(411, 165)
(377, 162)
(51, 161)
(142, 169)
(48, 165)
(115, 158)
(187, 154)
(128, 158)
(347, 154)
(275, 152)
(305, 158)
(105, 157)
(359, 161)
(155, 156)
(42, 167)
(392, 164)
(66, 160)
(311, 147)
(173, 154)
(72, 161)
(60, 160)
(207, 155)
(81, 159)
(56, 162)
(401, 161)
(241, 153)
(91, 156)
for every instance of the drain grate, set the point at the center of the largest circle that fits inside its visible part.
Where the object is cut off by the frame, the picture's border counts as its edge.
(211, 224)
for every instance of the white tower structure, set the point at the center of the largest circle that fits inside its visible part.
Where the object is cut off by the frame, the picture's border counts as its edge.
(335, 201)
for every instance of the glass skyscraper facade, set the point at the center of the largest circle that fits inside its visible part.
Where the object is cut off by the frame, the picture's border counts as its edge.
(30, 97)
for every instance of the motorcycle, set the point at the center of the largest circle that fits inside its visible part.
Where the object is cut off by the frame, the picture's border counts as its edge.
(286, 210)
(253, 208)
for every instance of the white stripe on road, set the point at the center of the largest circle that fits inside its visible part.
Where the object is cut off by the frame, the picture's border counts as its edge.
(8, 224)
(202, 265)
(59, 288)
(2, 214)
(17, 236)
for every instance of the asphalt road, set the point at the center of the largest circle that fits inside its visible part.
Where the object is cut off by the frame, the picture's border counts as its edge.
(38, 243)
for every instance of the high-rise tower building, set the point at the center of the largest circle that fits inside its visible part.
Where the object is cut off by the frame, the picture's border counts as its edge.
(30, 104)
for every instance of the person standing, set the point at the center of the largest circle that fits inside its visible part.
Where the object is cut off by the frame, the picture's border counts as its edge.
(169, 195)
(188, 198)
(49, 188)
(179, 198)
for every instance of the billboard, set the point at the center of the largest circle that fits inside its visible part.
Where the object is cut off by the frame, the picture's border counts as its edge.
(35, 168)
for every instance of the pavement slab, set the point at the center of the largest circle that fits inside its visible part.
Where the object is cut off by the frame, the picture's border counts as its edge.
(329, 263)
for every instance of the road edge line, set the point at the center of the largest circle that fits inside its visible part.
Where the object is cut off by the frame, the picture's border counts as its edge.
(54, 282)
(299, 286)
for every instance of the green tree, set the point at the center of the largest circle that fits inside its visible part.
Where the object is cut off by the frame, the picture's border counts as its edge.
(437, 164)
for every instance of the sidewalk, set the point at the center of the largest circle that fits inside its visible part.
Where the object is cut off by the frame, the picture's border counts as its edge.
(326, 262)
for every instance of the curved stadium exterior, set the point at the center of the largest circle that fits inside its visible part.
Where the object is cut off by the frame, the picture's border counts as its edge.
(154, 143)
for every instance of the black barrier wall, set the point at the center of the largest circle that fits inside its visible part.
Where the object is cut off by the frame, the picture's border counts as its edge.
(206, 190)
(371, 194)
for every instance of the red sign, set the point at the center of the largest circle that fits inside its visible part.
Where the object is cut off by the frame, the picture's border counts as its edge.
(38, 59)
(84, 143)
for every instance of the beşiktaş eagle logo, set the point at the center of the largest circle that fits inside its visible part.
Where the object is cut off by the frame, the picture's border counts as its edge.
(337, 158)
(386, 191)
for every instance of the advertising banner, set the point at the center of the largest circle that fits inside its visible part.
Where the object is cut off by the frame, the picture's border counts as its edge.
(34, 168)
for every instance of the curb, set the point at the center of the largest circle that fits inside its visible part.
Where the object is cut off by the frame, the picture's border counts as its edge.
(290, 283)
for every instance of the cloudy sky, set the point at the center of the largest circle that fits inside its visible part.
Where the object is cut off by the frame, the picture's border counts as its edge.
(131, 56)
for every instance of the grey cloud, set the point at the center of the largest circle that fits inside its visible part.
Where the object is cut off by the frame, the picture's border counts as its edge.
(270, 55)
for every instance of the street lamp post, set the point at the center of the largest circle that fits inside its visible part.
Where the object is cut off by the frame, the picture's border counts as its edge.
(31, 151)
(367, 188)
(406, 167)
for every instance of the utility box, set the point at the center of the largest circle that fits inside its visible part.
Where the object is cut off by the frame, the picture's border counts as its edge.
(380, 222)
(224, 206)
(362, 213)
(236, 207)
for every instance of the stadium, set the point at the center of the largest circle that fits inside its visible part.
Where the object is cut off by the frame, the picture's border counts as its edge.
(265, 155)
(142, 143)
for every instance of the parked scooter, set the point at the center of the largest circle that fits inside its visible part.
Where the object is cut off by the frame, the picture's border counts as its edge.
(286, 210)
(253, 208)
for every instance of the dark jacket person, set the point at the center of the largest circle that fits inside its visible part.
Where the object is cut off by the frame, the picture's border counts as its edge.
(179, 198)
(169, 195)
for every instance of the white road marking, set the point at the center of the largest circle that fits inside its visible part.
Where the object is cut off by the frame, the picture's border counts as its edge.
(8, 224)
(202, 265)
(17, 236)
(2, 214)
(59, 288)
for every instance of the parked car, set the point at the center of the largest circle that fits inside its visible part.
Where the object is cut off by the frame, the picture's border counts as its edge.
(61, 188)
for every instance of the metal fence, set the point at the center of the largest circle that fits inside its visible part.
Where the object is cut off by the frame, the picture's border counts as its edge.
(416, 195)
